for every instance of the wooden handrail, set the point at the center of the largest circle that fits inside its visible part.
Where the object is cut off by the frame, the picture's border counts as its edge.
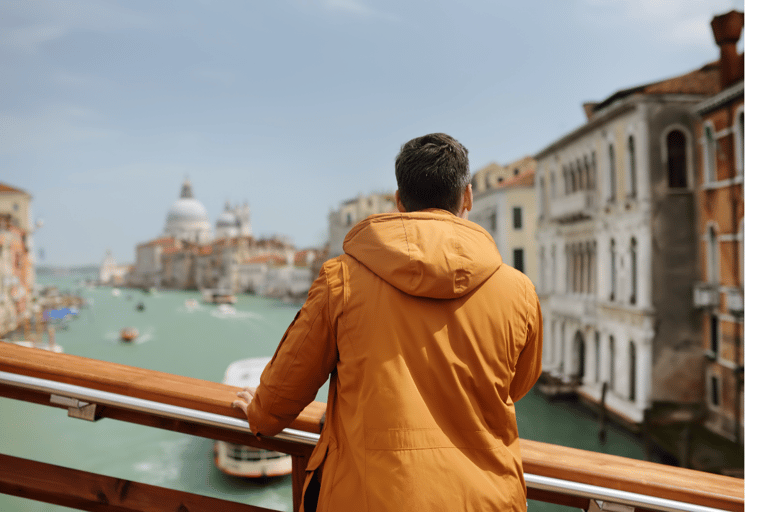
(543, 459)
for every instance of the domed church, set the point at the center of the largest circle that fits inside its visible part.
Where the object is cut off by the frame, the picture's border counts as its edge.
(187, 219)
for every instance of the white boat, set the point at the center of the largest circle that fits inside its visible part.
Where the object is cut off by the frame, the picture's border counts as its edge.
(52, 347)
(218, 296)
(226, 310)
(245, 461)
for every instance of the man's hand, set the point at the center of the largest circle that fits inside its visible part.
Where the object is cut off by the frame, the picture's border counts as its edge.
(247, 395)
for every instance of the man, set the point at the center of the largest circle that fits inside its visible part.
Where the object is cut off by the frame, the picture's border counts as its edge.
(428, 338)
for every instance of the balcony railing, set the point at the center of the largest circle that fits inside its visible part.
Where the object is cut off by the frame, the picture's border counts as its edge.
(573, 206)
(706, 295)
(91, 390)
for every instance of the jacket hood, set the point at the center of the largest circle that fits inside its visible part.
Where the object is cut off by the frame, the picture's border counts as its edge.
(429, 253)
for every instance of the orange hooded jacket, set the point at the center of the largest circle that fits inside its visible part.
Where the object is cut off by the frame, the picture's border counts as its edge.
(429, 339)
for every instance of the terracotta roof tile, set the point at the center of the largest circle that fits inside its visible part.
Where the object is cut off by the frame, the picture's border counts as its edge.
(526, 178)
(8, 188)
(705, 81)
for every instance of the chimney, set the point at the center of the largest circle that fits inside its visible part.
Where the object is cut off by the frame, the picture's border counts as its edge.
(589, 108)
(727, 29)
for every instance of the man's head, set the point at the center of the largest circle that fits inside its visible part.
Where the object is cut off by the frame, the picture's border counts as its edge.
(432, 171)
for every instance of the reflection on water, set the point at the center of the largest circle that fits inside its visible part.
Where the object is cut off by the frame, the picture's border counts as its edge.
(200, 341)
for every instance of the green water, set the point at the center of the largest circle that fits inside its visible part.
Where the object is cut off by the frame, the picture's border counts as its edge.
(201, 343)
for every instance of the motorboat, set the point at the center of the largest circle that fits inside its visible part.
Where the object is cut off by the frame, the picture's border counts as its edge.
(218, 296)
(241, 460)
(129, 334)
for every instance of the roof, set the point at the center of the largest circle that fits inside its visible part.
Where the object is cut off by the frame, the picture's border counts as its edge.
(526, 178)
(705, 80)
(4, 188)
(164, 241)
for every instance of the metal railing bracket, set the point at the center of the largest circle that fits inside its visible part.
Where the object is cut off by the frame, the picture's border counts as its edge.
(77, 408)
(607, 506)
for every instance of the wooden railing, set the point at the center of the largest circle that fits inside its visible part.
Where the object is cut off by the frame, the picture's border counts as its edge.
(93, 389)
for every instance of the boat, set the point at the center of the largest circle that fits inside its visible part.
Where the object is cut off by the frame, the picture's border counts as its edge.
(245, 461)
(212, 296)
(191, 304)
(129, 334)
(52, 347)
(140, 306)
(226, 309)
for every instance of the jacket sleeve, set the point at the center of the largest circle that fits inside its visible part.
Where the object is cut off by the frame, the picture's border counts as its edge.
(304, 359)
(528, 365)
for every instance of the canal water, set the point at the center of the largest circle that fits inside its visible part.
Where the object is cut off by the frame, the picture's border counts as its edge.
(200, 342)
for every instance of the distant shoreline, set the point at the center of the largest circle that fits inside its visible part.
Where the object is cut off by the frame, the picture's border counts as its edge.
(61, 270)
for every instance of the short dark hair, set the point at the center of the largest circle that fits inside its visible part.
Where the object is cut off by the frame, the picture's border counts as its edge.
(432, 171)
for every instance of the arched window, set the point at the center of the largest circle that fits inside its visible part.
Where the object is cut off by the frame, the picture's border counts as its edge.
(611, 173)
(613, 269)
(677, 169)
(582, 178)
(612, 362)
(566, 181)
(739, 143)
(632, 178)
(713, 276)
(553, 184)
(587, 174)
(632, 371)
(554, 270)
(594, 169)
(633, 271)
(574, 180)
(710, 161)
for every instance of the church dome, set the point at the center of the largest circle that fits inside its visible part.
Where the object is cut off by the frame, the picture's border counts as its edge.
(187, 218)
(187, 210)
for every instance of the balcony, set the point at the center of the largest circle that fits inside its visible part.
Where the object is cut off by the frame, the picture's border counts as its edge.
(90, 390)
(574, 206)
(706, 295)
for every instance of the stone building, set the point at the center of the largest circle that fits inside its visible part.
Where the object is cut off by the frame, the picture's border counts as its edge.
(720, 234)
(350, 213)
(617, 235)
(110, 273)
(508, 211)
(493, 174)
(17, 267)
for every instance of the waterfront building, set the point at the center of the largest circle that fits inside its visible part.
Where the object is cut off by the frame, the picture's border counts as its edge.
(617, 235)
(719, 293)
(17, 269)
(493, 174)
(507, 210)
(351, 212)
(234, 221)
(148, 270)
(110, 273)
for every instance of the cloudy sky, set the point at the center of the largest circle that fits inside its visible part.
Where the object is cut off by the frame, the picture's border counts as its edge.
(296, 105)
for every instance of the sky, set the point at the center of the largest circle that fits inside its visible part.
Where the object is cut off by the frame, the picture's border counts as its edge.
(296, 105)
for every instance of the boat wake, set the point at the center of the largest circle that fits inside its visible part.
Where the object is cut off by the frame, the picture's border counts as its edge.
(231, 313)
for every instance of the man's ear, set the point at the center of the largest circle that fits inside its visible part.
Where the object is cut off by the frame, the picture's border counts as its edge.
(467, 201)
(399, 203)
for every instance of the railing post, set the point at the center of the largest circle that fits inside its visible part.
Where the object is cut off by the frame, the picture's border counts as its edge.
(298, 474)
